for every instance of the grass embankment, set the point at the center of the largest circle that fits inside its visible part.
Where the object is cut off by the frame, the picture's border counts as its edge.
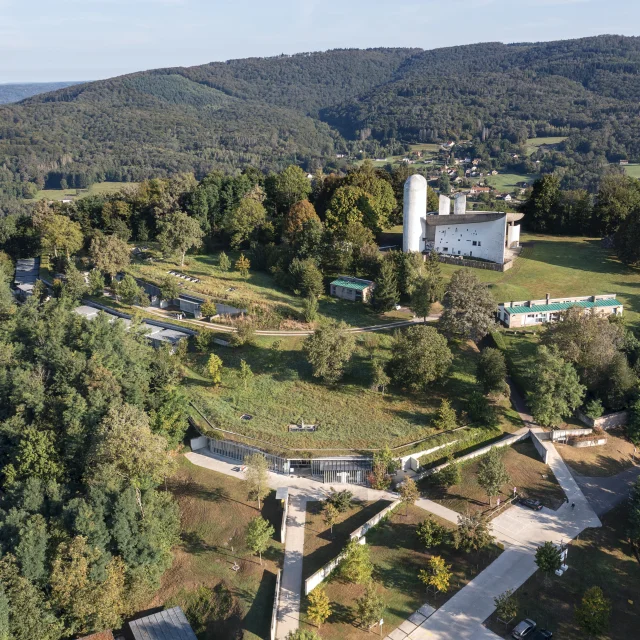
(397, 556)
(526, 471)
(348, 415)
(600, 557)
(533, 144)
(271, 306)
(215, 512)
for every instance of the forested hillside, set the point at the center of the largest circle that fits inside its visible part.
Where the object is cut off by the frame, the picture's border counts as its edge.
(305, 109)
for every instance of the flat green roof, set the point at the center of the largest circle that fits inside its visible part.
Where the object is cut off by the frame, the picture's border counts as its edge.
(358, 285)
(563, 306)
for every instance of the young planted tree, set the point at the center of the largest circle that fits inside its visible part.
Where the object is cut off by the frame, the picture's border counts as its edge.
(369, 607)
(380, 379)
(256, 476)
(96, 282)
(492, 371)
(319, 607)
(473, 533)
(409, 493)
(130, 292)
(303, 634)
(492, 474)
(224, 263)
(430, 533)
(437, 575)
(450, 475)
(446, 419)
(259, 532)
(243, 265)
(214, 367)
(356, 566)
(179, 233)
(469, 307)
(506, 606)
(330, 514)
(328, 350)
(341, 500)
(593, 612)
(556, 392)
(245, 373)
(548, 559)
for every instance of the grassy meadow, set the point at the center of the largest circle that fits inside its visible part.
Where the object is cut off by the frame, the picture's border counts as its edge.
(99, 188)
(533, 144)
(508, 182)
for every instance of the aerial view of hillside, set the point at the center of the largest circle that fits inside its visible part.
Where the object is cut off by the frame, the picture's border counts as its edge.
(319, 322)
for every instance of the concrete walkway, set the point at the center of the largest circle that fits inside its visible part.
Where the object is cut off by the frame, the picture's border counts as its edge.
(604, 494)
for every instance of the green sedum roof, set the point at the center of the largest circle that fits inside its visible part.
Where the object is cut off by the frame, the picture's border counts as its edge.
(358, 285)
(563, 306)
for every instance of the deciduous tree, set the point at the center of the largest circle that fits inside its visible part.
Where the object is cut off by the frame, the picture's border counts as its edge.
(224, 263)
(249, 216)
(369, 606)
(492, 474)
(319, 608)
(548, 559)
(243, 265)
(259, 532)
(492, 371)
(506, 606)
(214, 367)
(179, 233)
(409, 493)
(257, 476)
(330, 514)
(110, 254)
(594, 611)
(437, 575)
(328, 350)
(430, 533)
(356, 566)
(295, 219)
(472, 533)
(245, 373)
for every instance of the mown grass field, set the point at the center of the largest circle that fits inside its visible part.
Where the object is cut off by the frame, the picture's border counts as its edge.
(508, 182)
(527, 472)
(632, 170)
(397, 556)
(533, 144)
(99, 188)
(215, 512)
(600, 557)
(348, 414)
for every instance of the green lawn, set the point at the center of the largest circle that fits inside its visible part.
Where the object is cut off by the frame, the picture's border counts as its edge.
(600, 557)
(348, 415)
(99, 188)
(397, 556)
(215, 512)
(526, 471)
(508, 182)
(533, 144)
(632, 170)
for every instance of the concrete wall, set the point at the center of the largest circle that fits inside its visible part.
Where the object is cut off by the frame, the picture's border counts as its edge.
(227, 310)
(608, 421)
(319, 576)
(274, 613)
(476, 264)
(198, 443)
(283, 524)
(560, 434)
(458, 239)
(596, 442)
(540, 448)
(412, 461)
(505, 442)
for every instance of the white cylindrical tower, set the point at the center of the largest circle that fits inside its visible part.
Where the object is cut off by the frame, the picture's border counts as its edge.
(414, 209)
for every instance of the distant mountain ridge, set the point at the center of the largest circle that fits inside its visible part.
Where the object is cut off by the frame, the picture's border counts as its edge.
(307, 108)
(16, 91)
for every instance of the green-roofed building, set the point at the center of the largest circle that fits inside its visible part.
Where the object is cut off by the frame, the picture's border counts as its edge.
(349, 288)
(533, 312)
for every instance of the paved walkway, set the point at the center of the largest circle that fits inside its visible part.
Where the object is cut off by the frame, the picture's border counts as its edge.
(606, 493)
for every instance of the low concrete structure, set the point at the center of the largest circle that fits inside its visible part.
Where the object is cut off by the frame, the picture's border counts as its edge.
(526, 313)
(349, 288)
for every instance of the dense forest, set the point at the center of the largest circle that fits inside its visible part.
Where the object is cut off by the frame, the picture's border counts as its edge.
(307, 108)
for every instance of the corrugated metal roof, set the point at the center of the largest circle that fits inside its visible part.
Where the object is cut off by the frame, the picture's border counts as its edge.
(170, 624)
(563, 306)
(358, 285)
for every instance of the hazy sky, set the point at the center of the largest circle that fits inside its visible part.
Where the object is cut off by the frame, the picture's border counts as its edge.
(47, 40)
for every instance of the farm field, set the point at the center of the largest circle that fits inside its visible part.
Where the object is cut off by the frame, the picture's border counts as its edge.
(349, 415)
(533, 144)
(599, 557)
(215, 512)
(98, 188)
(527, 472)
(397, 556)
(632, 170)
(507, 182)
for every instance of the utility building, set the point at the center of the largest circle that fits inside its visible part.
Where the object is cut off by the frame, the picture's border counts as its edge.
(349, 288)
(480, 235)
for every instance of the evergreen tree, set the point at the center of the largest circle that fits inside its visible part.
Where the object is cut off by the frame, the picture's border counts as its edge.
(385, 294)
(224, 263)
(594, 612)
(421, 299)
(214, 367)
(380, 378)
(434, 276)
(31, 550)
(96, 282)
(446, 419)
(310, 308)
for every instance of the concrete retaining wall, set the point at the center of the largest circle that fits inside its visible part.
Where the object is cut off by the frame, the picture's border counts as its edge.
(476, 264)
(198, 443)
(412, 461)
(608, 421)
(597, 442)
(274, 614)
(283, 525)
(540, 448)
(562, 434)
(505, 442)
(319, 576)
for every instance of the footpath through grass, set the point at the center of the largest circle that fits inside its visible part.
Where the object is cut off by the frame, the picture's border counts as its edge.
(397, 556)
(600, 557)
(215, 513)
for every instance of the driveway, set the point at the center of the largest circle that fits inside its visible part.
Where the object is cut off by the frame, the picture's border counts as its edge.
(604, 494)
